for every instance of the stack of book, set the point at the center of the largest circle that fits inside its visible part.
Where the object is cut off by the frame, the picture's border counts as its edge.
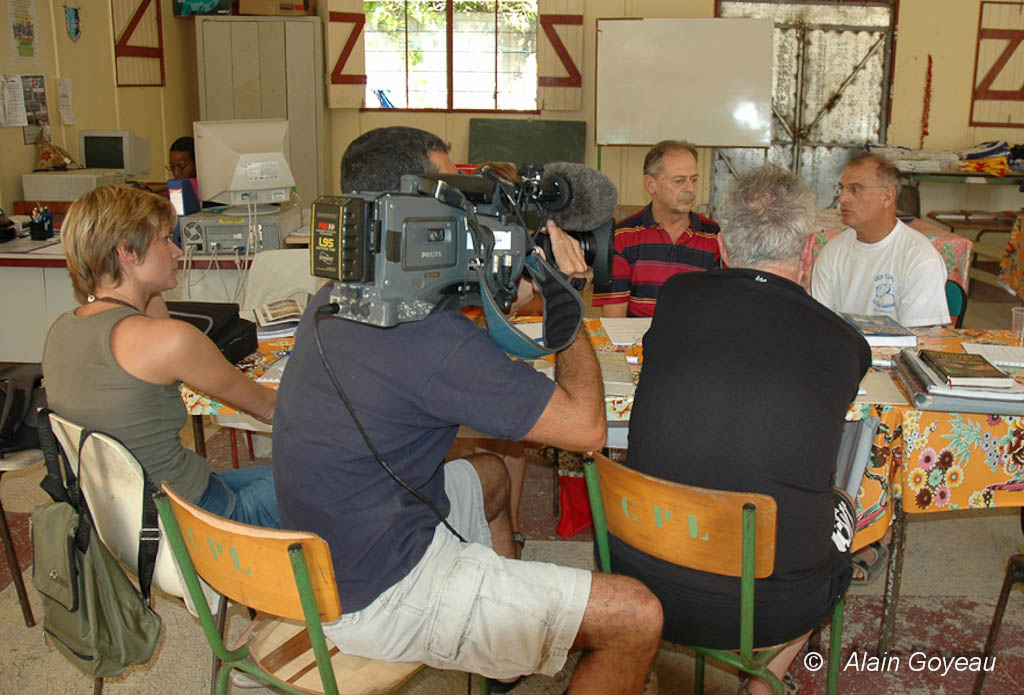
(885, 335)
(882, 331)
(958, 382)
(279, 319)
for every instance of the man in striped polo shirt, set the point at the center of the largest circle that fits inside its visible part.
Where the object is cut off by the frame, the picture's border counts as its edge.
(664, 238)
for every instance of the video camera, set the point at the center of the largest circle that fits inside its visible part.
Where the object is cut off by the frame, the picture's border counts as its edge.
(444, 240)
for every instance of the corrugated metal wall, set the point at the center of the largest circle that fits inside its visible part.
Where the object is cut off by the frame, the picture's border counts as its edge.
(830, 89)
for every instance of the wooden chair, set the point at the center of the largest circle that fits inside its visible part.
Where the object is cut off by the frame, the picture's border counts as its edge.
(727, 533)
(288, 577)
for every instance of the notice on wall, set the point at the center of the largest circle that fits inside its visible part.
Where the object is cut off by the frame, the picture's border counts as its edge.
(64, 102)
(12, 105)
(33, 89)
(22, 16)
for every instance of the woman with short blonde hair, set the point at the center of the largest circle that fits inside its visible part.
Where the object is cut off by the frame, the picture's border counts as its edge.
(115, 363)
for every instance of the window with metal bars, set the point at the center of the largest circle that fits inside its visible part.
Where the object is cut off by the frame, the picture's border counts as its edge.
(451, 55)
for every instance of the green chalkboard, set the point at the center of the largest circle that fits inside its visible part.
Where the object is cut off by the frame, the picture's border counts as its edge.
(526, 142)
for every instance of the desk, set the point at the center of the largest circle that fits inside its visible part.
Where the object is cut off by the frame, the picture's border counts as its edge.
(35, 272)
(954, 249)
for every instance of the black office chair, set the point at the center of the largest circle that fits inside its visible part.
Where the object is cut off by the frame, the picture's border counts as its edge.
(1014, 575)
(956, 298)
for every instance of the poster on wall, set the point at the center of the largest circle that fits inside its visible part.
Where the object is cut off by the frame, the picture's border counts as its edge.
(12, 106)
(22, 16)
(34, 90)
(64, 102)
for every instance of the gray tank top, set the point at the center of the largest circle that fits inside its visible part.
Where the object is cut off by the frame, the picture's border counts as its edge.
(85, 384)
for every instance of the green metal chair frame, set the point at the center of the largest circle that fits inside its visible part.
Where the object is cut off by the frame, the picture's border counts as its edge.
(747, 658)
(312, 601)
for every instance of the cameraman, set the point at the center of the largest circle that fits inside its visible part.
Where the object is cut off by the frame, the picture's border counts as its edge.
(412, 590)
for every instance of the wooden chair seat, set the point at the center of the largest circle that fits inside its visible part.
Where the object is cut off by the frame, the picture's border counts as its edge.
(283, 649)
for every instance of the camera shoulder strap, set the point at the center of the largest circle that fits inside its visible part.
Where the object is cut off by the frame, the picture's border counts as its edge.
(563, 313)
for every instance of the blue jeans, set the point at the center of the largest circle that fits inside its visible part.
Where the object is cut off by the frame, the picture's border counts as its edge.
(243, 494)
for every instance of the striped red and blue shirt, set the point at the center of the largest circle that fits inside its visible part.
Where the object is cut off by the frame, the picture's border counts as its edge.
(645, 258)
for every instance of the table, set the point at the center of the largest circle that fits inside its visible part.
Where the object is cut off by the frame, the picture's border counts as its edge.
(35, 272)
(921, 462)
(924, 462)
(954, 249)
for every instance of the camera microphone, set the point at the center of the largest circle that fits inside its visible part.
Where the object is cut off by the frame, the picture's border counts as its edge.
(585, 199)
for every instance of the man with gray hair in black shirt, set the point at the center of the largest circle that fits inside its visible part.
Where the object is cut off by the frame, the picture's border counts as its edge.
(745, 385)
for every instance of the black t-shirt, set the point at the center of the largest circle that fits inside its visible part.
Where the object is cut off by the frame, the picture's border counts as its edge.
(412, 386)
(745, 384)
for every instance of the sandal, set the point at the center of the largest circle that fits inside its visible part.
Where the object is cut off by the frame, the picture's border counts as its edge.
(500, 687)
(871, 570)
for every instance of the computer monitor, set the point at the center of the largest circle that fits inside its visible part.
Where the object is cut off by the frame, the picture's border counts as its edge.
(115, 149)
(243, 161)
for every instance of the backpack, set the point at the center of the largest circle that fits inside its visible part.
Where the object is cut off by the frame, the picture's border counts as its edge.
(92, 612)
(234, 336)
(21, 396)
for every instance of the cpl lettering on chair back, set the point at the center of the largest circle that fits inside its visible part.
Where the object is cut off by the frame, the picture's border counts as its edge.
(254, 568)
(685, 525)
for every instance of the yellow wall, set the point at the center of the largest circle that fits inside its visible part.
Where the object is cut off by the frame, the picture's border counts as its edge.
(946, 30)
(160, 114)
(943, 28)
(621, 164)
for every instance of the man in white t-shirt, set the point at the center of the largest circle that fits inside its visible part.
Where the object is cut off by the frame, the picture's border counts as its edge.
(879, 266)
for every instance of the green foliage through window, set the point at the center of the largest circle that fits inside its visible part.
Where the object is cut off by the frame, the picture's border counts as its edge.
(494, 60)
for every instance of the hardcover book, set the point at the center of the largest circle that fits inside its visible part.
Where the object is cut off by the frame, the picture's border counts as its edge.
(882, 331)
(966, 369)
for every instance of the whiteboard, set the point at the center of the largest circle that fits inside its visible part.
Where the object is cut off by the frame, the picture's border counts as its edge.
(708, 81)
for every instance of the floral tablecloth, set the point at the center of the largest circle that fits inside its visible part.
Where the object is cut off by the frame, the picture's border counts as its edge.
(937, 461)
(1011, 265)
(954, 249)
(269, 351)
(934, 461)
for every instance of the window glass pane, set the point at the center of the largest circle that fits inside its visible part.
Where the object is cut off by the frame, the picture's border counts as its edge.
(517, 55)
(474, 53)
(427, 54)
(494, 54)
(385, 54)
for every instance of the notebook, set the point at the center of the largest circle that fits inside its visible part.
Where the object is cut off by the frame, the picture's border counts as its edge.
(1000, 355)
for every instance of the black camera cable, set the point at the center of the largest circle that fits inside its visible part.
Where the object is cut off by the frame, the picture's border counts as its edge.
(329, 310)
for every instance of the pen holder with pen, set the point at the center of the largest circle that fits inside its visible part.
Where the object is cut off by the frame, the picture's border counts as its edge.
(37, 230)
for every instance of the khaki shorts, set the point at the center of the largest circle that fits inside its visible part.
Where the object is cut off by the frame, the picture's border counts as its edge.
(463, 607)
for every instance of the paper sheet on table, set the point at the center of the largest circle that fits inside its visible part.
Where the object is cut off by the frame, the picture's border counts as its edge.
(274, 372)
(625, 331)
(618, 380)
(533, 330)
(881, 389)
(1001, 355)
